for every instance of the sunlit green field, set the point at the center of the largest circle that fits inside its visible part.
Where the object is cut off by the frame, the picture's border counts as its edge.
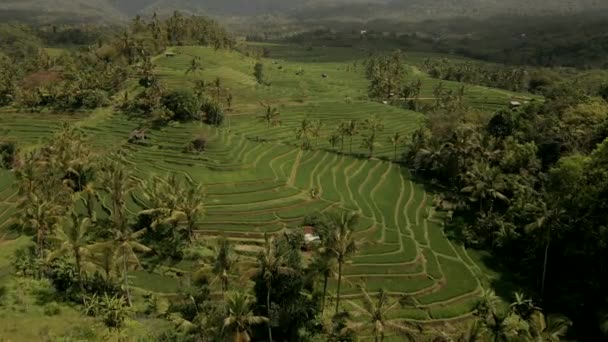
(258, 180)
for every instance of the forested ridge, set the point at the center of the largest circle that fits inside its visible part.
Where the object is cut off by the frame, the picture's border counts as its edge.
(206, 188)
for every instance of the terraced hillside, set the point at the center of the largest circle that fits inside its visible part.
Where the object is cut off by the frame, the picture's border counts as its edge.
(258, 180)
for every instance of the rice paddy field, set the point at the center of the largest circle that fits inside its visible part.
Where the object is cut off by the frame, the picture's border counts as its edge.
(258, 179)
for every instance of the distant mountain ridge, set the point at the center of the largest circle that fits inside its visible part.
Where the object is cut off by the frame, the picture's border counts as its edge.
(359, 10)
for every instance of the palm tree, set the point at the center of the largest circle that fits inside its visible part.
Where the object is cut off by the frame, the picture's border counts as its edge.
(550, 328)
(486, 184)
(317, 126)
(191, 204)
(373, 125)
(271, 263)
(271, 115)
(218, 88)
(104, 256)
(350, 128)
(473, 332)
(240, 316)
(547, 220)
(195, 66)
(488, 304)
(304, 132)
(396, 140)
(117, 182)
(334, 139)
(171, 201)
(375, 314)
(200, 86)
(341, 132)
(90, 198)
(324, 266)
(73, 236)
(126, 245)
(39, 215)
(338, 241)
(502, 326)
(523, 306)
(223, 262)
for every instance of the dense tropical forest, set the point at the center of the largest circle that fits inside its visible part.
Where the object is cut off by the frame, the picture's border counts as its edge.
(172, 179)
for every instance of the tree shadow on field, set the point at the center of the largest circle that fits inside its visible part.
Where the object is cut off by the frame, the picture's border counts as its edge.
(487, 266)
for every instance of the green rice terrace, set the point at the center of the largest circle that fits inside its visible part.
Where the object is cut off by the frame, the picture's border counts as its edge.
(259, 180)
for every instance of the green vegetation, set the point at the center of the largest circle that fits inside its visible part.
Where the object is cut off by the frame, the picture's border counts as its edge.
(167, 182)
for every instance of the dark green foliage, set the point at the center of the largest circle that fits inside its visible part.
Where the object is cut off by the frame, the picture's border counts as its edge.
(386, 74)
(290, 310)
(214, 114)
(112, 311)
(489, 75)
(258, 73)
(184, 105)
(51, 309)
(528, 185)
(197, 145)
(18, 41)
(166, 243)
(604, 91)
(94, 98)
(8, 154)
(502, 124)
(3, 293)
(64, 278)
(24, 261)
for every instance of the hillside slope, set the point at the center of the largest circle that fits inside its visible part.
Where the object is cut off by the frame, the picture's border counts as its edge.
(59, 10)
(359, 10)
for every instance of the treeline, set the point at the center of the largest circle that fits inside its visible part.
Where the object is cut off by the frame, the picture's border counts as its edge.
(514, 78)
(387, 75)
(529, 185)
(86, 77)
(489, 75)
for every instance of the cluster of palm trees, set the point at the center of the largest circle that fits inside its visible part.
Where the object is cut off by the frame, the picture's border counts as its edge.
(386, 74)
(489, 75)
(520, 321)
(63, 193)
(310, 130)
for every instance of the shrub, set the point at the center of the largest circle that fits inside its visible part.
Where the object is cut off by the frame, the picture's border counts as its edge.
(93, 98)
(184, 104)
(603, 92)
(198, 144)
(3, 293)
(113, 311)
(258, 73)
(24, 261)
(8, 154)
(214, 114)
(52, 309)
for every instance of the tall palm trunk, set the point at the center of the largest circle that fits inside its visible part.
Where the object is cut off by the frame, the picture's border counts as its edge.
(395, 154)
(324, 293)
(126, 278)
(79, 270)
(542, 283)
(268, 308)
(351, 144)
(40, 239)
(339, 283)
